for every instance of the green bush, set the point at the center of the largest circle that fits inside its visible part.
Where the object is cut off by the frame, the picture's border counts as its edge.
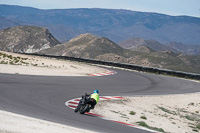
(195, 130)
(191, 118)
(16, 61)
(143, 124)
(12, 63)
(167, 110)
(132, 113)
(10, 56)
(3, 62)
(198, 126)
(143, 117)
(24, 58)
(191, 104)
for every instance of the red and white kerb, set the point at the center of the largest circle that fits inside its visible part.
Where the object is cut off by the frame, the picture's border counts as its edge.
(104, 74)
(74, 103)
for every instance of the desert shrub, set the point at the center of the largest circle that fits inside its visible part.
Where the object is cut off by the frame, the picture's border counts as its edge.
(10, 56)
(16, 61)
(12, 63)
(3, 62)
(143, 124)
(167, 110)
(143, 117)
(198, 126)
(132, 113)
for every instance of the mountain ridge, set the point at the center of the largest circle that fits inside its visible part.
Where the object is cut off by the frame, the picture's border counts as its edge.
(115, 24)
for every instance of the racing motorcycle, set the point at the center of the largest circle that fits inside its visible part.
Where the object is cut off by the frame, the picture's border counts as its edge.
(84, 104)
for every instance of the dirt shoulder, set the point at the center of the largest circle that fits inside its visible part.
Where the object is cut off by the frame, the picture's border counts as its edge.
(14, 123)
(170, 113)
(33, 65)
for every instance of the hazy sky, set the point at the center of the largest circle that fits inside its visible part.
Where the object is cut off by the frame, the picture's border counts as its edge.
(171, 7)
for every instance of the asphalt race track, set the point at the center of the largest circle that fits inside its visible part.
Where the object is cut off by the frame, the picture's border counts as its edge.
(44, 97)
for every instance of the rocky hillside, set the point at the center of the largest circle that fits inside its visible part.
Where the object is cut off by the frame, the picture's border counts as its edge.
(117, 25)
(93, 47)
(26, 39)
(167, 60)
(134, 43)
(86, 46)
(186, 49)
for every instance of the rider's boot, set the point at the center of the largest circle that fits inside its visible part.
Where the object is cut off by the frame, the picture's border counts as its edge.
(92, 107)
(88, 110)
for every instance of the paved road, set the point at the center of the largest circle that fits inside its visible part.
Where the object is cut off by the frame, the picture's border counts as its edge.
(44, 97)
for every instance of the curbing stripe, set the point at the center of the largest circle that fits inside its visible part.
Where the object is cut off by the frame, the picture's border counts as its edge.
(93, 114)
(73, 103)
(72, 106)
(104, 98)
(117, 97)
(103, 74)
(125, 123)
(77, 100)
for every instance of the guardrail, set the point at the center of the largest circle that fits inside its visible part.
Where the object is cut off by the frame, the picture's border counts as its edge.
(127, 66)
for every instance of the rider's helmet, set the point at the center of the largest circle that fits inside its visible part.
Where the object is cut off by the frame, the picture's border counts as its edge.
(96, 91)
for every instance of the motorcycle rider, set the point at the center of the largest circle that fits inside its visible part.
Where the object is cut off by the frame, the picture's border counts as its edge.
(94, 98)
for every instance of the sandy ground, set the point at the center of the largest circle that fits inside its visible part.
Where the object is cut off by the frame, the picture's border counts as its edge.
(34, 65)
(171, 113)
(13, 123)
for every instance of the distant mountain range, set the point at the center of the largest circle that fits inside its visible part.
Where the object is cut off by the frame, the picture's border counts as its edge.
(26, 39)
(5, 23)
(117, 25)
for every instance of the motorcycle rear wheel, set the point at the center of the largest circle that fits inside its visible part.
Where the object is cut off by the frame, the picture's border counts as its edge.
(84, 109)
